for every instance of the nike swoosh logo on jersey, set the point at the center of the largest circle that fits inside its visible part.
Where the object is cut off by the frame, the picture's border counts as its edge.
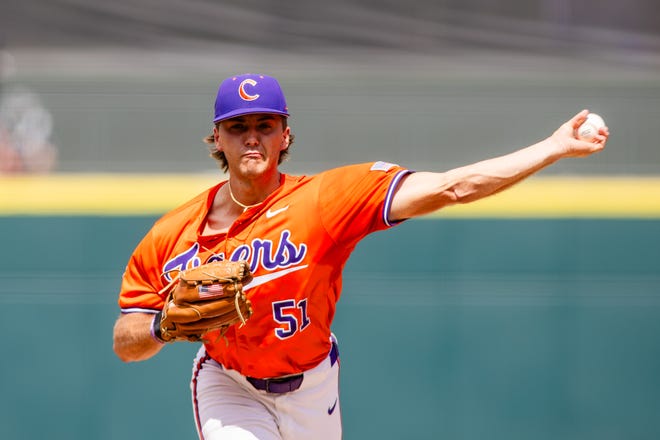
(263, 279)
(271, 213)
(331, 409)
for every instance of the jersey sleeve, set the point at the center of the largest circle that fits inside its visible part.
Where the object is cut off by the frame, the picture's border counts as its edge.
(141, 280)
(355, 200)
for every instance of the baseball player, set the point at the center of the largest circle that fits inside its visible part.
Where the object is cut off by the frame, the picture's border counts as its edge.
(276, 377)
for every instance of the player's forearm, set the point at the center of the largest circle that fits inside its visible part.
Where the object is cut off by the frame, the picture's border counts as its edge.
(132, 340)
(423, 193)
(482, 179)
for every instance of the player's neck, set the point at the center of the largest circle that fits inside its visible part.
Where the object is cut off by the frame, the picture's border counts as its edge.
(248, 193)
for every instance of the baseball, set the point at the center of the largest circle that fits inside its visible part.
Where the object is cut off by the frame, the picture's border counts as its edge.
(589, 129)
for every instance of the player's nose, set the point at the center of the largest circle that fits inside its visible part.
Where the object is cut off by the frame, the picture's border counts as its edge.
(251, 138)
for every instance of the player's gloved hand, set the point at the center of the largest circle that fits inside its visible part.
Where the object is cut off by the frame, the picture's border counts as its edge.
(208, 297)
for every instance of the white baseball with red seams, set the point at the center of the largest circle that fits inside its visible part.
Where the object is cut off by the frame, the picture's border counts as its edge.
(589, 128)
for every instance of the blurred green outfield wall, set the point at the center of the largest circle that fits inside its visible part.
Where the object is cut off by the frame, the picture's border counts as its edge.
(448, 328)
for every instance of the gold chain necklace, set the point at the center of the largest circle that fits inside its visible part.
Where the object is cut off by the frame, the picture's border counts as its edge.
(245, 207)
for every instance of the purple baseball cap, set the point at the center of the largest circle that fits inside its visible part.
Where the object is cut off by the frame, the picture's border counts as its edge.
(249, 93)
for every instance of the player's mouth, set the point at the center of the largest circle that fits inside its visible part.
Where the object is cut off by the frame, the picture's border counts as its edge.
(253, 155)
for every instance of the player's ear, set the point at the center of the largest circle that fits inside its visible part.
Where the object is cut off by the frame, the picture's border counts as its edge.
(286, 139)
(216, 138)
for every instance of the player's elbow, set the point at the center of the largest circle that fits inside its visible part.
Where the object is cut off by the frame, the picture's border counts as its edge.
(453, 191)
(469, 191)
(121, 354)
(132, 353)
(455, 195)
(131, 340)
(122, 350)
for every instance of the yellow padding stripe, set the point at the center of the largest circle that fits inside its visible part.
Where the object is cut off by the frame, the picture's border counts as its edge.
(131, 194)
(103, 194)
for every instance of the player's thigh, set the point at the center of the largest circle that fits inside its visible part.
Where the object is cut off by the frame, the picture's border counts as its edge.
(313, 411)
(223, 409)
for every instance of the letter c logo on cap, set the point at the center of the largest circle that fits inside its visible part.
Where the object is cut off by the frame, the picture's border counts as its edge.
(245, 95)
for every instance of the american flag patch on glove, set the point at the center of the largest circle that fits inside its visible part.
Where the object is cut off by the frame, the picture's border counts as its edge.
(210, 291)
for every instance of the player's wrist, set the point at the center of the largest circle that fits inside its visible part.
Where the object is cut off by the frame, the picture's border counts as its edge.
(155, 330)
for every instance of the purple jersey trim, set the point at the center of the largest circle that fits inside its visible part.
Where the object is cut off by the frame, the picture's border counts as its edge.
(390, 195)
(139, 310)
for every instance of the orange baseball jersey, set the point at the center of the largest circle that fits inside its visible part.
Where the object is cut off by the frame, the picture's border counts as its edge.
(297, 242)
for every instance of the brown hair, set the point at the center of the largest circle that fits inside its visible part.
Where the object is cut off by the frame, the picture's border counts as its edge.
(220, 156)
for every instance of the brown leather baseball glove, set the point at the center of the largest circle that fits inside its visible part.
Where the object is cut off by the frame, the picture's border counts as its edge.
(208, 297)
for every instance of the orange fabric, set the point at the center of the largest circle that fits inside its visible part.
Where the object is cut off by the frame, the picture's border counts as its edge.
(297, 243)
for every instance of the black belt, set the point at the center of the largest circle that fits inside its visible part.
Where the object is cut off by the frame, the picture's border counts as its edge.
(281, 385)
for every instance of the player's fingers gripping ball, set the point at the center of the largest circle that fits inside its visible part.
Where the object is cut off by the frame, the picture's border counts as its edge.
(206, 298)
(589, 128)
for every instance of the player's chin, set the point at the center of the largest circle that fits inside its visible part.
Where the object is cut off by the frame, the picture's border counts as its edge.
(253, 166)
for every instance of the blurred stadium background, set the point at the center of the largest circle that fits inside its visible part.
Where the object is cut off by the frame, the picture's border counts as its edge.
(534, 317)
